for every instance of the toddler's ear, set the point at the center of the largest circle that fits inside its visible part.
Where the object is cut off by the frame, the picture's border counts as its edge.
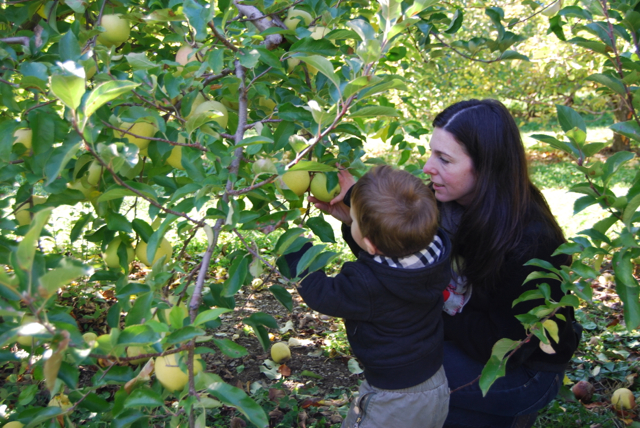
(370, 247)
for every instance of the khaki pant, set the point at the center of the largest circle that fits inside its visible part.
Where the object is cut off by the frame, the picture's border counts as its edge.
(422, 406)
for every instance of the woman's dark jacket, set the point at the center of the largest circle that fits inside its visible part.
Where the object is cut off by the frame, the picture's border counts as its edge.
(489, 315)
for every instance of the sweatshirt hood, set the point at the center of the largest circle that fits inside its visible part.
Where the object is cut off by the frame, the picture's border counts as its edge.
(402, 282)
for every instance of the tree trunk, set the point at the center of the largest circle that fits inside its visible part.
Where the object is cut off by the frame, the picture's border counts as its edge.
(622, 114)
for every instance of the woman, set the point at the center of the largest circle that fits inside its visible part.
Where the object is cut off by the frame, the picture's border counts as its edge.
(497, 220)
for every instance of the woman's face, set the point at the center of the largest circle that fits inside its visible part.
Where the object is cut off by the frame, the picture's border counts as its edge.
(451, 169)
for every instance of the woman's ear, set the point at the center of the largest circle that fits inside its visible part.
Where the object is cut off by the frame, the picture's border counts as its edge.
(370, 247)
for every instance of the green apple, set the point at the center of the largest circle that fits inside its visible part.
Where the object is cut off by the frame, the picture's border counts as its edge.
(623, 399)
(134, 351)
(165, 249)
(297, 181)
(280, 352)
(230, 104)
(267, 104)
(175, 158)
(169, 373)
(94, 173)
(319, 188)
(183, 311)
(319, 32)
(24, 217)
(77, 185)
(111, 253)
(24, 137)
(62, 401)
(293, 18)
(196, 103)
(117, 30)
(143, 129)
(89, 337)
(26, 340)
(13, 424)
(214, 106)
(186, 54)
(263, 166)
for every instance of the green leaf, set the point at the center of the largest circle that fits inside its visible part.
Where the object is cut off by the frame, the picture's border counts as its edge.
(126, 418)
(106, 92)
(39, 415)
(324, 66)
(354, 367)
(629, 129)
(184, 334)
(27, 247)
(250, 141)
(139, 61)
(139, 334)
(611, 82)
(230, 348)
(209, 315)
(322, 260)
(60, 157)
(375, 111)
(308, 257)
(513, 55)
(237, 274)
(528, 295)
(570, 119)
(492, 371)
(615, 161)
(286, 239)
(235, 397)
(555, 143)
(69, 88)
(142, 228)
(67, 271)
(283, 296)
(305, 165)
(143, 397)
(198, 17)
(141, 309)
(630, 210)
(542, 264)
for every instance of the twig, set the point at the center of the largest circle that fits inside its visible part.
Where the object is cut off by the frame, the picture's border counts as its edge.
(253, 186)
(484, 61)
(209, 79)
(220, 37)
(92, 41)
(38, 106)
(15, 85)
(255, 253)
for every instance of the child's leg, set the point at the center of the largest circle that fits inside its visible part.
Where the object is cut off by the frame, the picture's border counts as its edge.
(422, 406)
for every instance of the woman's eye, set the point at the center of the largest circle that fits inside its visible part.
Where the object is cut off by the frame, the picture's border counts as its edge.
(443, 160)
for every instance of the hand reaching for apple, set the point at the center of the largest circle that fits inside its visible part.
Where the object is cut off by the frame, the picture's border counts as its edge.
(337, 208)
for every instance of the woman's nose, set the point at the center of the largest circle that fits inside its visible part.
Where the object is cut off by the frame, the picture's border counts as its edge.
(427, 167)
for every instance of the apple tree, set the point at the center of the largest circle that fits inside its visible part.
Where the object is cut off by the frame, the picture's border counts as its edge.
(144, 118)
(141, 119)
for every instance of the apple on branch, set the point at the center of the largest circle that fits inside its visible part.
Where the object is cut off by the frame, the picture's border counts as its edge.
(116, 30)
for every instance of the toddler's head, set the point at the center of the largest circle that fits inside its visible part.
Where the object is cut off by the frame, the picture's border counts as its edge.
(394, 213)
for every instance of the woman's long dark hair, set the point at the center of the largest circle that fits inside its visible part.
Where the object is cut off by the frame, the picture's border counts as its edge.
(505, 200)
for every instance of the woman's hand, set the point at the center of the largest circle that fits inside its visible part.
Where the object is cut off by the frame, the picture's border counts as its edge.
(337, 208)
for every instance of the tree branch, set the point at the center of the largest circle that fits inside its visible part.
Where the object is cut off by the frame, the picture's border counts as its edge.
(20, 40)
(173, 143)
